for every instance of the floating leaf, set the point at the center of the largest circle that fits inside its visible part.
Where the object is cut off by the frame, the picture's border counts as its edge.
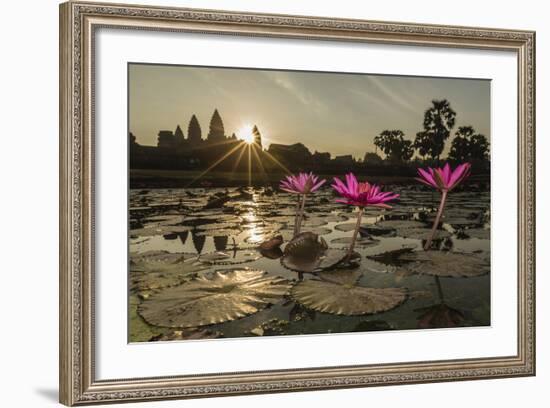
(159, 269)
(372, 325)
(218, 233)
(438, 316)
(392, 257)
(401, 224)
(335, 218)
(422, 233)
(305, 243)
(217, 225)
(479, 233)
(158, 229)
(412, 229)
(318, 230)
(188, 334)
(229, 258)
(377, 267)
(138, 329)
(272, 243)
(165, 219)
(337, 292)
(347, 227)
(377, 230)
(450, 264)
(360, 242)
(225, 296)
(314, 262)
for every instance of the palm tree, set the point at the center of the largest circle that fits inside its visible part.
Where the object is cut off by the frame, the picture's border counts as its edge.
(469, 146)
(439, 119)
(394, 145)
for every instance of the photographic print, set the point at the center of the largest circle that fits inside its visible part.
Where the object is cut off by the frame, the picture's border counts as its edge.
(270, 202)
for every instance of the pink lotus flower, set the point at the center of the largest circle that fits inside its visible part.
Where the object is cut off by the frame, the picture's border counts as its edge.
(443, 178)
(362, 194)
(303, 183)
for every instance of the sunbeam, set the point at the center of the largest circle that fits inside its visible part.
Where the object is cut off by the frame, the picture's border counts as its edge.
(249, 166)
(239, 157)
(225, 156)
(257, 157)
(277, 162)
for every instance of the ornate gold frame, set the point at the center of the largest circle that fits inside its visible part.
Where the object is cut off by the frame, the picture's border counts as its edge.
(78, 22)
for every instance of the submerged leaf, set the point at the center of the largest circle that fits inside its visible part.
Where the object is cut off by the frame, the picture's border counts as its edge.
(225, 296)
(450, 264)
(337, 292)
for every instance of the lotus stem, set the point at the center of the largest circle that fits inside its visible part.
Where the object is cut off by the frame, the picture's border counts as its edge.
(300, 214)
(436, 221)
(297, 216)
(355, 233)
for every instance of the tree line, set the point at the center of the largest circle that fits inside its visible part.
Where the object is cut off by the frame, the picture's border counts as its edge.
(439, 121)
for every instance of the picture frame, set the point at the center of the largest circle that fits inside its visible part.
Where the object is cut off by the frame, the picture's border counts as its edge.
(79, 22)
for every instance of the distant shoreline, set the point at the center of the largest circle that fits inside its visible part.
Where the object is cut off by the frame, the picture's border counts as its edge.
(151, 179)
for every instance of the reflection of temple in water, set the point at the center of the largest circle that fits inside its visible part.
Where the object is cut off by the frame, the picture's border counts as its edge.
(183, 236)
(198, 241)
(220, 242)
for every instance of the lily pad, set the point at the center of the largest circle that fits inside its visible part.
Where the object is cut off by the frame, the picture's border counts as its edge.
(401, 224)
(360, 242)
(165, 219)
(188, 334)
(229, 258)
(347, 227)
(479, 233)
(449, 264)
(158, 229)
(337, 292)
(335, 218)
(422, 233)
(139, 330)
(217, 226)
(377, 230)
(324, 260)
(218, 233)
(412, 229)
(158, 269)
(224, 297)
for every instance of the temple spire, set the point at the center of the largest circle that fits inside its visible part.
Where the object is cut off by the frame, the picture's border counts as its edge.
(216, 132)
(194, 132)
(257, 136)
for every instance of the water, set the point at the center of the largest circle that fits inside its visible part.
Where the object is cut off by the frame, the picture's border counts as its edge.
(225, 237)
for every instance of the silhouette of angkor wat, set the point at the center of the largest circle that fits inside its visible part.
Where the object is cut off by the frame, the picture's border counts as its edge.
(174, 151)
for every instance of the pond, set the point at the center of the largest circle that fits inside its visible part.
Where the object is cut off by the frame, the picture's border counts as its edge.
(196, 270)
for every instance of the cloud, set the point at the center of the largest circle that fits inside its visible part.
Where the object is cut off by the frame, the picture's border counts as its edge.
(285, 81)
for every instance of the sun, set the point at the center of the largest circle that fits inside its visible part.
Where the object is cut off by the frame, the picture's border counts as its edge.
(245, 134)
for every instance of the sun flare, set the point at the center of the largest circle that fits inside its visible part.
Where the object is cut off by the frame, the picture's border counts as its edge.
(246, 134)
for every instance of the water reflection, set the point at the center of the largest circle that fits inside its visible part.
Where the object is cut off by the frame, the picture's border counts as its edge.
(440, 314)
(228, 237)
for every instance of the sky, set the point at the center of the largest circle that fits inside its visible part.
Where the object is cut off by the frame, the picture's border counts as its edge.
(338, 113)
